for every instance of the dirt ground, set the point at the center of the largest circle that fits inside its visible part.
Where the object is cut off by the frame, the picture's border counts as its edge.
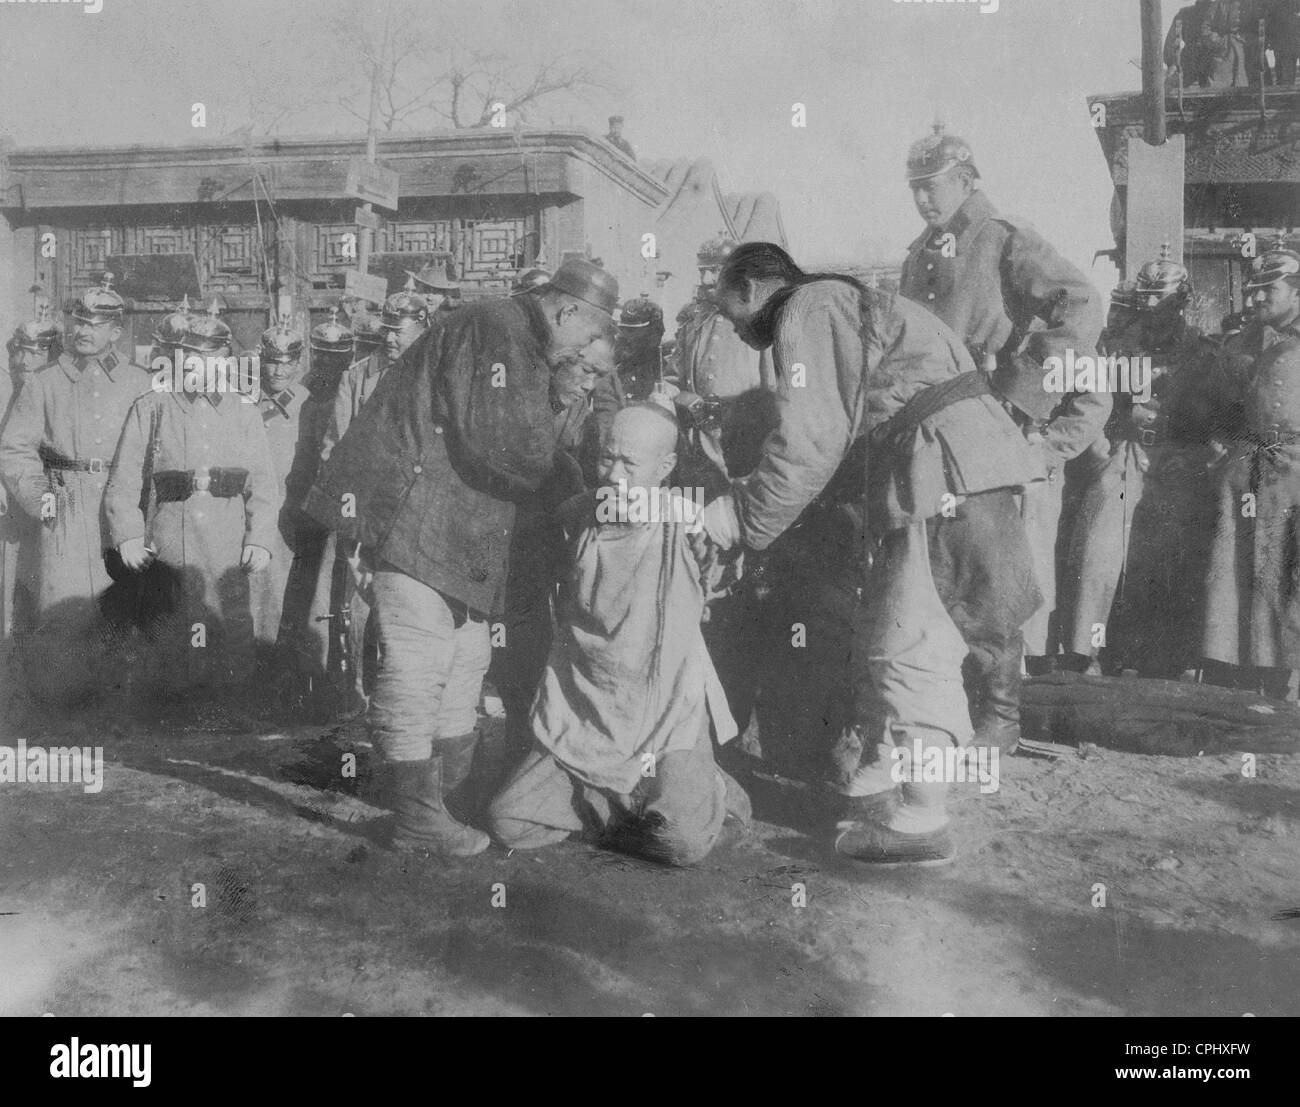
(307, 914)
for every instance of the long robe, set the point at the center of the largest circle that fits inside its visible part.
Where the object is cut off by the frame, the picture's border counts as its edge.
(629, 677)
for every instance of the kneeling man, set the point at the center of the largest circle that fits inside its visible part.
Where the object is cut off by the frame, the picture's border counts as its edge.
(622, 718)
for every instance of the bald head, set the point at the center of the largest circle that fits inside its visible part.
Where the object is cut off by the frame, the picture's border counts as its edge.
(641, 447)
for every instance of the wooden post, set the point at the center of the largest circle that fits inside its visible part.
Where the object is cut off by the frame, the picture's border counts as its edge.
(1153, 82)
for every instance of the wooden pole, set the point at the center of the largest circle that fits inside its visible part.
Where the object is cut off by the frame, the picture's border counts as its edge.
(1153, 74)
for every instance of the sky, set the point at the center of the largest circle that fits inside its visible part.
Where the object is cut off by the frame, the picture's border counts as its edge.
(716, 78)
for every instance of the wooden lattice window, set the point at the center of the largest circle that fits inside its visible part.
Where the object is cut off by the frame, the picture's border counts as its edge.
(493, 245)
(417, 237)
(336, 247)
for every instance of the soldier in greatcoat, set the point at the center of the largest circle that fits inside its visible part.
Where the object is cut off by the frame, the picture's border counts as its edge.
(194, 488)
(1252, 620)
(1144, 515)
(56, 457)
(1014, 302)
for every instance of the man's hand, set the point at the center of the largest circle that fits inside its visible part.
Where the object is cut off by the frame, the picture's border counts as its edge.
(255, 559)
(363, 574)
(135, 555)
(1144, 415)
(720, 523)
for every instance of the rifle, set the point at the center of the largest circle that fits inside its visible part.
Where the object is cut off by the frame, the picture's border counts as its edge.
(340, 662)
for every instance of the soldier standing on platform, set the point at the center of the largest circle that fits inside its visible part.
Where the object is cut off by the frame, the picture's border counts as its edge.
(197, 461)
(1144, 513)
(1014, 302)
(56, 457)
(1252, 623)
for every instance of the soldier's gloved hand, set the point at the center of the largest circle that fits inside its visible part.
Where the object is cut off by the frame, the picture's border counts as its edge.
(135, 555)
(255, 559)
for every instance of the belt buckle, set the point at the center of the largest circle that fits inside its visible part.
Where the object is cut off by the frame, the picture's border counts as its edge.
(1147, 436)
(202, 480)
(96, 465)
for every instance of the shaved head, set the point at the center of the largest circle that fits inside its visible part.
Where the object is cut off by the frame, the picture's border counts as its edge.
(641, 447)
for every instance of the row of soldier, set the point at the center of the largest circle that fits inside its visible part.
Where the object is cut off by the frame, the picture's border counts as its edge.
(1114, 489)
(153, 539)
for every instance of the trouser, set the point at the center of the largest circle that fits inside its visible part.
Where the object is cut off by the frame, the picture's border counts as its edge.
(674, 816)
(1041, 510)
(937, 591)
(431, 672)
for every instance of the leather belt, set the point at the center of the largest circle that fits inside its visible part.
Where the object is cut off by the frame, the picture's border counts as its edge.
(174, 485)
(51, 459)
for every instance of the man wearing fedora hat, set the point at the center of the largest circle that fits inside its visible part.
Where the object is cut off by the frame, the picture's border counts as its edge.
(453, 451)
(439, 290)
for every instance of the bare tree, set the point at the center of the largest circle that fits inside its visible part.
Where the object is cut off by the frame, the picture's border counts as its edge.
(424, 76)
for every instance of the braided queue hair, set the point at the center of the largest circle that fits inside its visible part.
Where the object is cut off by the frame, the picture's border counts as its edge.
(766, 261)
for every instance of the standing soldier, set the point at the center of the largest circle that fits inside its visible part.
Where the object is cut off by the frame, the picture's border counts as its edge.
(277, 616)
(198, 464)
(1013, 301)
(882, 371)
(1252, 623)
(319, 648)
(55, 457)
(33, 345)
(1153, 455)
(732, 381)
(404, 319)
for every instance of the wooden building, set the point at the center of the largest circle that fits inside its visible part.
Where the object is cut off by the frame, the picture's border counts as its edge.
(1241, 175)
(271, 223)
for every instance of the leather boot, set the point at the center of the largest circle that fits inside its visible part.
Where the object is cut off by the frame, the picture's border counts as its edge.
(995, 701)
(457, 761)
(423, 824)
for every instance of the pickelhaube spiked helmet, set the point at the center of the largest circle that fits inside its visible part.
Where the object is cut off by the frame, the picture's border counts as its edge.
(99, 305)
(172, 330)
(281, 344)
(332, 337)
(403, 308)
(640, 313)
(207, 333)
(366, 333)
(1274, 266)
(1122, 295)
(714, 252)
(39, 335)
(937, 153)
(1157, 280)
